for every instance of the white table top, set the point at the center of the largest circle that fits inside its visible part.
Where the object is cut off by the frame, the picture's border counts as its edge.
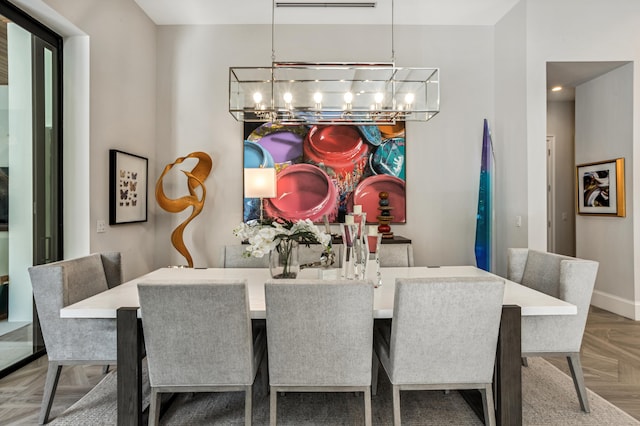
(105, 304)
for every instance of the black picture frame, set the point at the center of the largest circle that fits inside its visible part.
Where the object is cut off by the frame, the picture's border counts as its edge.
(128, 187)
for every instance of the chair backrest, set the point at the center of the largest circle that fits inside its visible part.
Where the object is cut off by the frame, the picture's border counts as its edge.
(445, 330)
(233, 256)
(197, 332)
(396, 255)
(312, 254)
(319, 332)
(112, 263)
(59, 284)
(567, 278)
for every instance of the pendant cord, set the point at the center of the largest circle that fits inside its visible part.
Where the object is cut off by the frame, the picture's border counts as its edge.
(393, 51)
(273, 29)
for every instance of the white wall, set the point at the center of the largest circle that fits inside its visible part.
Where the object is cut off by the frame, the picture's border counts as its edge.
(192, 66)
(604, 131)
(443, 155)
(601, 31)
(561, 125)
(120, 42)
(509, 135)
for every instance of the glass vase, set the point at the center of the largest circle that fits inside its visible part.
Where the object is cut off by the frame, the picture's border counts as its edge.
(283, 260)
(349, 251)
(372, 268)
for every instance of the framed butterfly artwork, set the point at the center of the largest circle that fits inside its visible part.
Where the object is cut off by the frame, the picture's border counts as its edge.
(127, 187)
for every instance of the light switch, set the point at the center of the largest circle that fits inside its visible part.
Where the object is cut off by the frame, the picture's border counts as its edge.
(518, 221)
(101, 226)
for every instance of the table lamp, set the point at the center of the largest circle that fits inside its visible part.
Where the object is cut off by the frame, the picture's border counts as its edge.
(260, 183)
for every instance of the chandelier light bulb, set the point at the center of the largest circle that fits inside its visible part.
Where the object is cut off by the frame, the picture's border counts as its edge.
(378, 97)
(288, 97)
(409, 98)
(317, 98)
(348, 97)
(257, 97)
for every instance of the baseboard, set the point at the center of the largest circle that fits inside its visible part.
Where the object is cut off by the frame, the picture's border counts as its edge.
(624, 307)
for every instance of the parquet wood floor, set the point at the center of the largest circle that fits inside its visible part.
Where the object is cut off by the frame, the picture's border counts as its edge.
(610, 359)
(21, 391)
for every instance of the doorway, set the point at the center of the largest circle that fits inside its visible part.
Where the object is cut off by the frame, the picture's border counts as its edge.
(551, 189)
(30, 167)
(562, 80)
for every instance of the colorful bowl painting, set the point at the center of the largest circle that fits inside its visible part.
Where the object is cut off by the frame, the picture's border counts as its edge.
(304, 192)
(389, 158)
(371, 134)
(366, 194)
(256, 156)
(284, 143)
(341, 152)
(334, 164)
(392, 131)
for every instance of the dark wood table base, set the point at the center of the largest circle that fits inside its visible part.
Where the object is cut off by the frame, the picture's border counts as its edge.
(507, 381)
(130, 353)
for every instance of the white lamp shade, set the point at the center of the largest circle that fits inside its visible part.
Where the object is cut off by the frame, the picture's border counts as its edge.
(260, 183)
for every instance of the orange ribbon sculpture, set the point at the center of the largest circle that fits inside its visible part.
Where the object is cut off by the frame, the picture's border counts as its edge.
(195, 178)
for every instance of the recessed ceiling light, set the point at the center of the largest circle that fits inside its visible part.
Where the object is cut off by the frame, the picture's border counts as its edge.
(556, 88)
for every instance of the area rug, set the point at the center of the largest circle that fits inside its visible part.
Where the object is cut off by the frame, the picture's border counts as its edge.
(548, 399)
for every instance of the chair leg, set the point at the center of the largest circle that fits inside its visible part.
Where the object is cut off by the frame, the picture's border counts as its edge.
(50, 385)
(396, 405)
(488, 405)
(105, 369)
(374, 373)
(273, 406)
(367, 406)
(248, 392)
(154, 407)
(525, 363)
(578, 380)
(264, 374)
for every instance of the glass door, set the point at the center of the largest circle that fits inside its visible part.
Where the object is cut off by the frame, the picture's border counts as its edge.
(30, 179)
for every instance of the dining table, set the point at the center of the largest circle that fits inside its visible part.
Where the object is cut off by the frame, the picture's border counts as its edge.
(122, 304)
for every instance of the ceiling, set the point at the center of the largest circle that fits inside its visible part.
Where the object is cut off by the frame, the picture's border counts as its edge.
(568, 75)
(405, 12)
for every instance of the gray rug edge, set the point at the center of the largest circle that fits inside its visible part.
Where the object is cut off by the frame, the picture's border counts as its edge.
(591, 393)
(92, 408)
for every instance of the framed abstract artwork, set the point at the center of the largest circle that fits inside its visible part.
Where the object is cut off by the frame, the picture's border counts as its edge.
(600, 188)
(324, 170)
(127, 188)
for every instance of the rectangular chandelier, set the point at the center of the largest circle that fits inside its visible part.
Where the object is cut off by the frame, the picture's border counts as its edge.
(333, 93)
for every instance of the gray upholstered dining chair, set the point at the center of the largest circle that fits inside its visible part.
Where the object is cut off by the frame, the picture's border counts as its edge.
(72, 341)
(566, 278)
(311, 254)
(233, 257)
(319, 335)
(199, 338)
(443, 335)
(396, 255)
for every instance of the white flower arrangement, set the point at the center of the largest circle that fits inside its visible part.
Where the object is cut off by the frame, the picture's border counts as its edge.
(270, 234)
